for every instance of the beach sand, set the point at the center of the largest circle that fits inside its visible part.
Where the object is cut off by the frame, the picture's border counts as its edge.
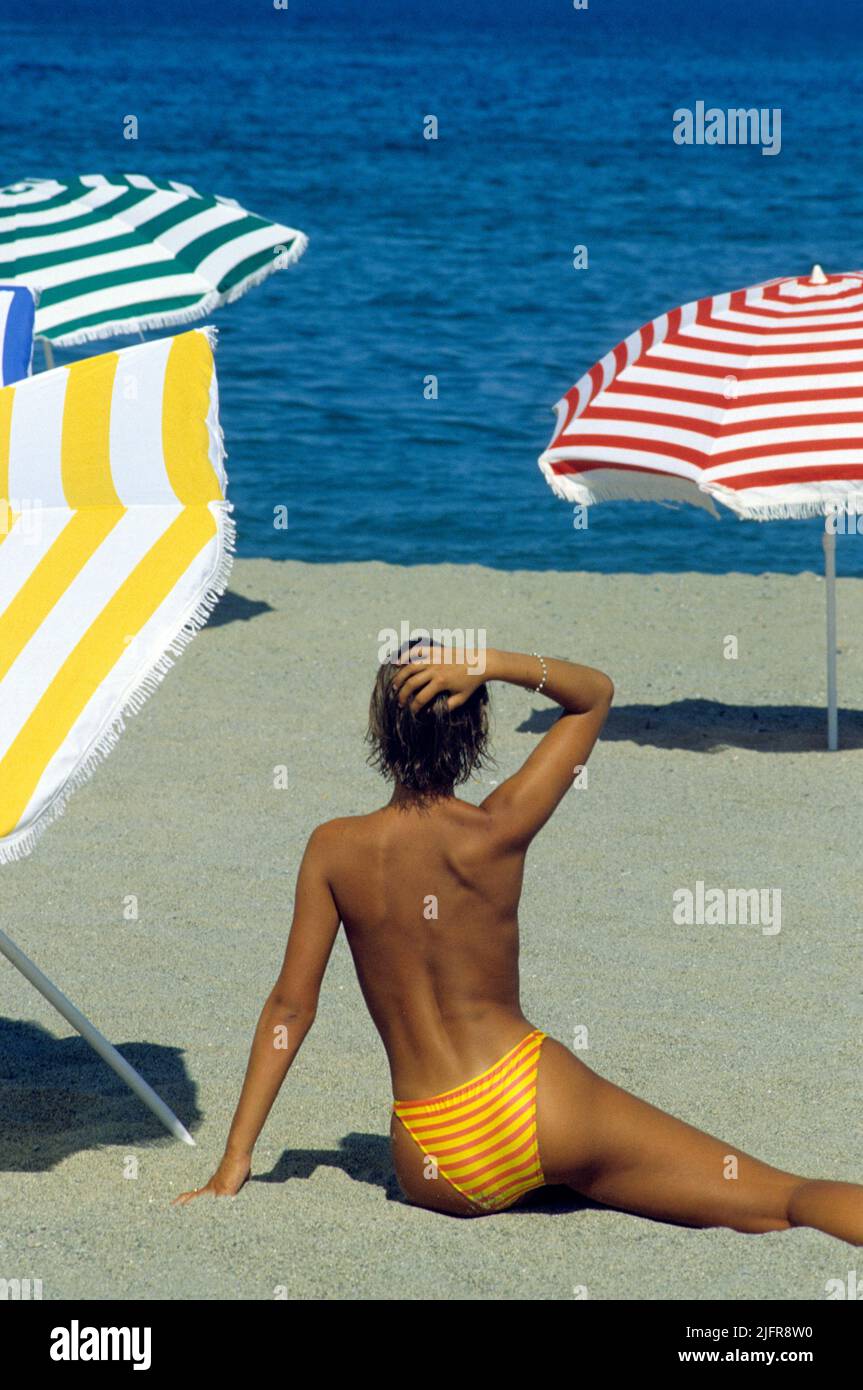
(711, 769)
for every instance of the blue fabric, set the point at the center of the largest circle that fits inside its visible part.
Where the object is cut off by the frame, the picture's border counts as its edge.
(17, 314)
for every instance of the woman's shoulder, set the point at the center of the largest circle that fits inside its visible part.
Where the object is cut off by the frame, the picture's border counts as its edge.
(339, 831)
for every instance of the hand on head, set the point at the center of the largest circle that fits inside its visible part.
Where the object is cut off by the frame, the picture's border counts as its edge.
(428, 670)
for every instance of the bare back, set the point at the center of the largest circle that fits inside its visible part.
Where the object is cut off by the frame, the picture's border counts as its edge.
(429, 902)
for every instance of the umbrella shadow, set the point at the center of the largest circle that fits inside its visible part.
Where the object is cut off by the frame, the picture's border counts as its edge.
(236, 608)
(57, 1097)
(708, 726)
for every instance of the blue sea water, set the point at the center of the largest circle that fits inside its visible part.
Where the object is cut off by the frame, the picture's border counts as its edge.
(453, 257)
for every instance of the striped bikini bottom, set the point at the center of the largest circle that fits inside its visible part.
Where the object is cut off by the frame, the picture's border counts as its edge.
(482, 1136)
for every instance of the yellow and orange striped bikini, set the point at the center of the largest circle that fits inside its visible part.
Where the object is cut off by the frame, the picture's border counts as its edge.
(482, 1135)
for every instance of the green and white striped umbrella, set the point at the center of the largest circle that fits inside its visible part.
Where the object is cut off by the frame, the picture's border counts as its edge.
(117, 255)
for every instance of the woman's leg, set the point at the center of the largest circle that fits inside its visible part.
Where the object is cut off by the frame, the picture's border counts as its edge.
(618, 1150)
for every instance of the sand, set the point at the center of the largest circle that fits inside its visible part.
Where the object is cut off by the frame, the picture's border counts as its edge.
(711, 769)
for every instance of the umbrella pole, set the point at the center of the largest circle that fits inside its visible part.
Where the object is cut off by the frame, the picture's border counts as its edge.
(100, 1044)
(829, 542)
(49, 354)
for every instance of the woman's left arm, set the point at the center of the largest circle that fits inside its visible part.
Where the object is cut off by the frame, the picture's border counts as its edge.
(286, 1017)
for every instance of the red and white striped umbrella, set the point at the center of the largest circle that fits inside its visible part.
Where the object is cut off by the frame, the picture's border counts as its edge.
(753, 399)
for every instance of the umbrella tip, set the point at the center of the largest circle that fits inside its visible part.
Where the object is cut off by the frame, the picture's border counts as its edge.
(817, 277)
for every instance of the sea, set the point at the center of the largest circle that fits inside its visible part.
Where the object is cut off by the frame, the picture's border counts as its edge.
(394, 388)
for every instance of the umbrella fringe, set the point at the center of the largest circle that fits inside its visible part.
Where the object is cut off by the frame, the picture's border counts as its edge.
(214, 424)
(631, 487)
(21, 844)
(634, 487)
(290, 257)
(822, 501)
(122, 328)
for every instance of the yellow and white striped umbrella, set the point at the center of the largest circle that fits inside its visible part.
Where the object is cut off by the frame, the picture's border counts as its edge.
(115, 542)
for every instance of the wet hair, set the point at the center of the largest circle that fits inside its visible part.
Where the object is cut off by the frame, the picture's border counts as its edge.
(430, 750)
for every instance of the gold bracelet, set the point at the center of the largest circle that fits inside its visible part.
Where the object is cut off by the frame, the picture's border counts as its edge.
(538, 689)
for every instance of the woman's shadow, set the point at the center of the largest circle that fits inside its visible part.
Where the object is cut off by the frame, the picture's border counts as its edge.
(366, 1158)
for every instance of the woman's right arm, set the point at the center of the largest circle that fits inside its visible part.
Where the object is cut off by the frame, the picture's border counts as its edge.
(523, 803)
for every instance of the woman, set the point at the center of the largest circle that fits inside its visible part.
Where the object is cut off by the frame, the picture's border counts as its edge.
(486, 1106)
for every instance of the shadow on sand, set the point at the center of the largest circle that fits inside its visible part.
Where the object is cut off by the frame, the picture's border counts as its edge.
(234, 608)
(366, 1158)
(707, 726)
(57, 1097)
